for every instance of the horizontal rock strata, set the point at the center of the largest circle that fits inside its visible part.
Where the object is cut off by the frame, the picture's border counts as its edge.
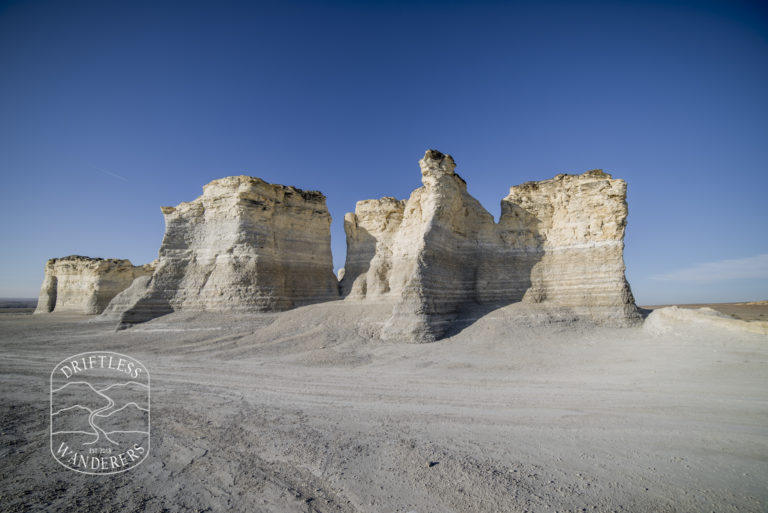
(579, 224)
(370, 235)
(244, 245)
(440, 253)
(85, 285)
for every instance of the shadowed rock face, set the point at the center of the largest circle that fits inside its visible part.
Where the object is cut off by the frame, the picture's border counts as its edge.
(244, 245)
(85, 285)
(440, 254)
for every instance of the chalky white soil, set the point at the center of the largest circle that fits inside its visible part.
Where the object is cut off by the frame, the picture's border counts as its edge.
(302, 411)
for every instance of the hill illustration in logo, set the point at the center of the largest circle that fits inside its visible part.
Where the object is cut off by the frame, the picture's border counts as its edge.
(125, 393)
(73, 419)
(73, 404)
(126, 419)
(78, 407)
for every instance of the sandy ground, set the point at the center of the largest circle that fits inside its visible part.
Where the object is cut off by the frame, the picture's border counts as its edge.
(301, 412)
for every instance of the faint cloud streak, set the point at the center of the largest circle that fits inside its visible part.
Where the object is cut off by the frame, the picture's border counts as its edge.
(740, 268)
(110, 173)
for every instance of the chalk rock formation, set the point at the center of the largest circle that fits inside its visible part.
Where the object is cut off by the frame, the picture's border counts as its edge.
(440, 253)
(244, 245)
(576, 223)
(127, 299)
(85, 285)
(370, 234)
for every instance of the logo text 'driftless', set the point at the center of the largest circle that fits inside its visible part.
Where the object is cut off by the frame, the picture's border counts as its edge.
(100, 412)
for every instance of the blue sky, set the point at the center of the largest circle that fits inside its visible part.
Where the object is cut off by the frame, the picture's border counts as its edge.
(109, 110)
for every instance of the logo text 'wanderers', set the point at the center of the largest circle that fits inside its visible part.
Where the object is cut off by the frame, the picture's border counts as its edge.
(100, 412)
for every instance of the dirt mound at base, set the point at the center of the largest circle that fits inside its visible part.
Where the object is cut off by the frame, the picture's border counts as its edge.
(672, 318)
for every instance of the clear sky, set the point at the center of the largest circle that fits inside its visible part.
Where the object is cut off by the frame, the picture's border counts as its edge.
(109, 110)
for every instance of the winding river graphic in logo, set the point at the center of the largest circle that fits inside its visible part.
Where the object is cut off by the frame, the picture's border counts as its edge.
(100, 412)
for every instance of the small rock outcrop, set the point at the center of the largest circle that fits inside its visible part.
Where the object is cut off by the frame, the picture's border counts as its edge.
(440, 253)
(673, 319)
(244, 245)
(85, 285)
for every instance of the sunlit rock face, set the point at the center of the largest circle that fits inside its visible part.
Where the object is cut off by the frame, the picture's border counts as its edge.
(85, 285)
(579, 224)
(371, 234)
(244, 245)
(440, 253)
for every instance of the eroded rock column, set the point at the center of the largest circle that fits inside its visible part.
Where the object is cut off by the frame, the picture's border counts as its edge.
(244, 245)
(439, 254)
(85, 285)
